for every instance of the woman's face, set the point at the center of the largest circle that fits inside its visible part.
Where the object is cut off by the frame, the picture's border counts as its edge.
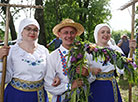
(103, 35)
(30, 33)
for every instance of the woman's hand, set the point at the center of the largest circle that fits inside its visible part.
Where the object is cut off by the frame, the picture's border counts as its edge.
(84, 71)
(95, 71)
(56, 81)
(4, 51)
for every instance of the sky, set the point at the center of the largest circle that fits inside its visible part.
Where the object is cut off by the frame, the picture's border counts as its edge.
(121, 19)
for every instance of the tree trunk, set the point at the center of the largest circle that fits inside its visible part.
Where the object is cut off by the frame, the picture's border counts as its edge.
(11, 24)
(12, 28)
(39, 16)
(83, 16)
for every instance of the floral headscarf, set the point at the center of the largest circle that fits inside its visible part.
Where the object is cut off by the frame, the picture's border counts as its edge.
(97, 28)
(25, 22)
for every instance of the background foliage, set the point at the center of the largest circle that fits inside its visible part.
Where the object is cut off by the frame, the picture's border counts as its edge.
(116, 35)
(87, 12)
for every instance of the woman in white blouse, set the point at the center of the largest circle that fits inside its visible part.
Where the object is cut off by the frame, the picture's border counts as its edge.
(104, 88)
(26, 66)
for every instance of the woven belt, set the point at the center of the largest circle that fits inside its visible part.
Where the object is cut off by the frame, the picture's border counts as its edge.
(27, 85)
(30, 86)
(109, 76)
(105, 75)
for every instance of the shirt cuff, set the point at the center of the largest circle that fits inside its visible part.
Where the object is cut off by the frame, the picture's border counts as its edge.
(91, 77)
(90, 74)
(68, 86)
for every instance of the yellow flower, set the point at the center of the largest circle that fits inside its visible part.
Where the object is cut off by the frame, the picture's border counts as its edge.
(129, 59)
(92, 47)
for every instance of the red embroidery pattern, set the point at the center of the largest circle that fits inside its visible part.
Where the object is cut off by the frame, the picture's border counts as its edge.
(64, 63)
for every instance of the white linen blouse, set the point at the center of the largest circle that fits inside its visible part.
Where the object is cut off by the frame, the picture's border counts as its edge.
(26, 66)
(108, 66)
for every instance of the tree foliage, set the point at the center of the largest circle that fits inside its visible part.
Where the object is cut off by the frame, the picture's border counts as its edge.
(116, 35)
(15, 13)
(39, 15)
(1, 35)
(87, 12)
(11, 22)
(136, 21)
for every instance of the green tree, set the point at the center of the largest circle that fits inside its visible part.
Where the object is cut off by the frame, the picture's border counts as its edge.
(116, 35)
(39, 15)
(1, 35)
(136, 21)
(87, 12)
(11, 22)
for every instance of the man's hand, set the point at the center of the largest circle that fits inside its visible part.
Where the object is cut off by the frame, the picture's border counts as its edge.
(132, 44)
(77, 83)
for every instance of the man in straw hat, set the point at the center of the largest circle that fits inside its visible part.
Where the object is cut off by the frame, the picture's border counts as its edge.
(124, 44)
(67, 30)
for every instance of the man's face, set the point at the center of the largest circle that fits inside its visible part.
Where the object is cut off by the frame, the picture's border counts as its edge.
(67, 34)
(124, 37)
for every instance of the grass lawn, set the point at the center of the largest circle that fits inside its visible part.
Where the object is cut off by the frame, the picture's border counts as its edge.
(124, 89)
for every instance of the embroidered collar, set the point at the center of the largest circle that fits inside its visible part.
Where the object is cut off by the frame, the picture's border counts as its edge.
(62, 52)
(25, 57)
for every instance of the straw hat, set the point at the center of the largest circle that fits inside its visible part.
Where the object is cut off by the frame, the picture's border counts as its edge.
(71, 23)
(124, 36)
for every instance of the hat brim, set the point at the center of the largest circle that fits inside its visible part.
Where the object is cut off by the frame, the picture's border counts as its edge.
(78, 26)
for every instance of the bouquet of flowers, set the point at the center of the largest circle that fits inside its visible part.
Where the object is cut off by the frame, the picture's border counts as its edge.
(115, 58)
(76, 57)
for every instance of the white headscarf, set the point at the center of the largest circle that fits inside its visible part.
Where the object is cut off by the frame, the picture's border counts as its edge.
(25, 22)
(97, 28)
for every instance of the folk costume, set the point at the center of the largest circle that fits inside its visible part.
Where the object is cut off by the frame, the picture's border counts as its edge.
(57, 67)
(57, 64)
(25, 71)
(105, 87)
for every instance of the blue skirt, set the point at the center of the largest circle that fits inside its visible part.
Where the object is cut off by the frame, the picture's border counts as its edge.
(104, 91)
(12, 94)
